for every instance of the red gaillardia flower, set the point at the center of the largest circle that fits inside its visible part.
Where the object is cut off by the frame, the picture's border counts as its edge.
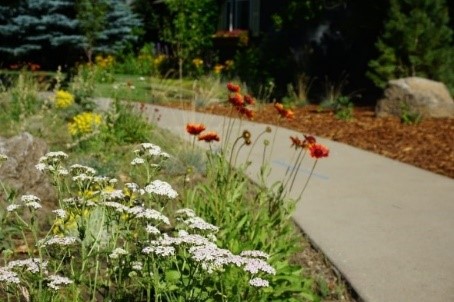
(246, 111)
(318, 151)
(309, 140)
(195, 129)
(209, 136)
(249, 100)
(236, 99)
(285, 113)
(233, 87)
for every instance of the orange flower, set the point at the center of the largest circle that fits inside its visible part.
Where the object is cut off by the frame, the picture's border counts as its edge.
(209, 137)
(236, 99)
(249, 100)
(195, 129)
(246, 111)
(318, 151)
(233, 87)
(285, 113)
(309, 139)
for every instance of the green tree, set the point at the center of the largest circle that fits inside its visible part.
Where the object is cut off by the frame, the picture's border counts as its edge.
(189, 28)
(417, 41)
(42, 27)
(92, 20)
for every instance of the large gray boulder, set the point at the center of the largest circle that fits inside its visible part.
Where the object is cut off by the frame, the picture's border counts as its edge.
(19, 172)
(426, 97)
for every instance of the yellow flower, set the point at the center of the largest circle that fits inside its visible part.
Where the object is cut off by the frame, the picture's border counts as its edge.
(197, 62)
(218, 68)
(159, 59)
(84, 123)
(229, 64)
(63, 99)
(104, 62)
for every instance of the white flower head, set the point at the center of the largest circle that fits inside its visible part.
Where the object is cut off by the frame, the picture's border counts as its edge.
(116, 253)
(8, 277)
(254, 265)
(197, 223)
(132, 186)
(33, 205)
(259, 282)
(162, 188)
(55, 282)
(12, 207)
(3, 157)
(163, 251)
(137, 161)
(152, 230)
(185, 213)
(137, 265)
(30, 198)
(33, 265)
(113, 195)
(255, 254)
(79, 169)
(60, 213)
(57, 240)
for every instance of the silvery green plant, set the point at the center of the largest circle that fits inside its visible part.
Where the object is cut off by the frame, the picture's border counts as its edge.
(111, 241)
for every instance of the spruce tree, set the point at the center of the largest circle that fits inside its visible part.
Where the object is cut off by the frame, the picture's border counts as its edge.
(416, 41)
(122, 28)
(45, 30)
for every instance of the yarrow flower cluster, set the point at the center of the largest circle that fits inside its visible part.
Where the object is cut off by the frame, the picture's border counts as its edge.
(29, 201)
(162, 188)
(51, 161)
(8, 277)
(57, 240)
(55, 282)
(116, 253)
(32, 265)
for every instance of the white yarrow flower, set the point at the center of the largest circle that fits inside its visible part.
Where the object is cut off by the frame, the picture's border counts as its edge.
(200, 224)
(152, 230)
(137, 161)
(255, 254)
(55, 282)
(12, 207)
(116, 253)
(57, 240)
(3, 157)
(259, 282)
(160, 187)
(8, 277)
(60, 213)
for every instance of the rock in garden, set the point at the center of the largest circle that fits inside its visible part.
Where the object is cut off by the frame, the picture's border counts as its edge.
(426, 97)
(19, 172)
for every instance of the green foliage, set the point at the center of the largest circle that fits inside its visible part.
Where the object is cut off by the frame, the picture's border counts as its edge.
(143, 63)
(248, 215)
(417, 41)
(125, 126)
(189, 28)
(92, 21)
(409, 116)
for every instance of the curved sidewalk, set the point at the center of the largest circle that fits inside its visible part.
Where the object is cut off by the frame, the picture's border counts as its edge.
(388, 227)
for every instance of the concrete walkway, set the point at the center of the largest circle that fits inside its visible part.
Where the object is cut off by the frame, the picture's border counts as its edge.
(388, 227)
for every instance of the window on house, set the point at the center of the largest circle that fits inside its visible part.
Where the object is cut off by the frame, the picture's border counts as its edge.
(240, 14)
